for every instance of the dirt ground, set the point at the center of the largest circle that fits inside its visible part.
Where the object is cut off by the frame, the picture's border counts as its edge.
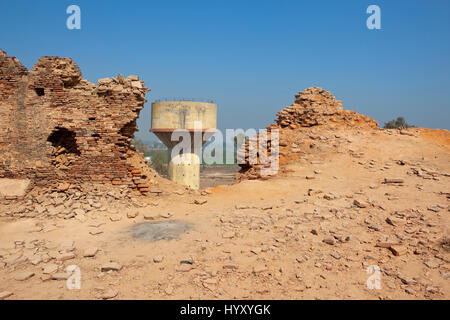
(311, 232)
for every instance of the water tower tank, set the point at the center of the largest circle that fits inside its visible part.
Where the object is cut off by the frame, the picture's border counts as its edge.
(194, 117)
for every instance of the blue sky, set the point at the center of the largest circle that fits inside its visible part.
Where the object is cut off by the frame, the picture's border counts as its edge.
(252, 57)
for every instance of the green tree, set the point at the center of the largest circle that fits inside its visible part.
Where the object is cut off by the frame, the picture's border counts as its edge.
(400, 122)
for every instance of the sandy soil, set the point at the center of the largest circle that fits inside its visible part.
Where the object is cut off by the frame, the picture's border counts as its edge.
(284, 238)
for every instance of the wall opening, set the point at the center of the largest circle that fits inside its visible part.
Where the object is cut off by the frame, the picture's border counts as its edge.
(65, 148)
(39, 91)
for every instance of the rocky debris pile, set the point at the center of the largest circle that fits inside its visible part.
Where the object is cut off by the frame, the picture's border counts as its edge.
(306, 126)
(62, 158)
(64, 68)
(121, 84)
(66, 201)
(57, 126)
(316, 106)
(43, 255)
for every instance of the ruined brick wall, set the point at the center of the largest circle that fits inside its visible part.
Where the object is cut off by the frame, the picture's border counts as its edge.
(56, 126)
(316, 106)
(315, 111)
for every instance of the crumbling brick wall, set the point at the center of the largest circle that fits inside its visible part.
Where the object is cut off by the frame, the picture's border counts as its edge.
(314, 108)
(56, 126)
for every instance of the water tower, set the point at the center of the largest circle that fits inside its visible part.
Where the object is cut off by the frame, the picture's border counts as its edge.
(169, 116)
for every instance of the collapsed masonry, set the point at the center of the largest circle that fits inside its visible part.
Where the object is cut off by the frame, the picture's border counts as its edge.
(316, 106)
(56, 127)
(314, 111)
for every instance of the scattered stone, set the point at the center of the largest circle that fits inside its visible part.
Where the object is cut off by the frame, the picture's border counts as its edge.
(434, 208)
(50, 268)
(132, 214)
(24, 276)
(335, 255)
(67, 246)
(115, 218)
(410, 291)
(398, 250)
(5, 294)
(111, 266)
(95, 232)
(228, 235)
(60, 276)
(230, 267)
(90, 252)
(360, 204)
(169, 290)
(36, 260)
(393, 221)
(96, 225)
(66, 256)
(79, 212)
(12, 188)
(386, 245)
(158, 259)
(374, 227)
(187, 261)
(394, 180)
(110, 294)
(329, 241)
(200, 201)
(166, 215)
(46, 277)
(406, 280)
(329, 197)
